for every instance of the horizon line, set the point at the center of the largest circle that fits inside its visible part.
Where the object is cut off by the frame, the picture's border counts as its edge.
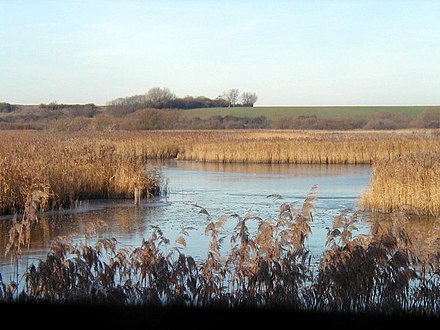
(262, 105)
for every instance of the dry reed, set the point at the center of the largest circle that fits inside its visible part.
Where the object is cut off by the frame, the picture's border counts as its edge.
(109, 164)
(70, 168)
(268, 268)
(405, 182)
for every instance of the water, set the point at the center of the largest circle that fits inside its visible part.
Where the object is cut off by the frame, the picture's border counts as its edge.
(222, 189)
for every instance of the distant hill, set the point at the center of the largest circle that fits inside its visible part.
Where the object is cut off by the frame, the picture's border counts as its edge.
(335, 112)
(77, 117)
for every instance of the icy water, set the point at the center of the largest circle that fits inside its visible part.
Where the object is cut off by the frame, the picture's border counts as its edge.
(222, 189)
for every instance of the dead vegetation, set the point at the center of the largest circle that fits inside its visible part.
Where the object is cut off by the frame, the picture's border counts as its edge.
(63, 170)
(75, 166)
(267, 267)
(406, 182)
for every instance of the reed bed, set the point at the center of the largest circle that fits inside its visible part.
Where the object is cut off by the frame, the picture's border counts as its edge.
(406, 182)
(307, 147)
(67, 167)
(58, 171)
(266, 268)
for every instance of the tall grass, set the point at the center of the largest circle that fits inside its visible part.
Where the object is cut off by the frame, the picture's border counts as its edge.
(62, 170)
(307, 147)
(408, 182)
(266, 268)
(71, 166)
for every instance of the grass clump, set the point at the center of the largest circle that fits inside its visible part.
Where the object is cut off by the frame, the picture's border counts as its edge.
(58, 171)
(405, 182)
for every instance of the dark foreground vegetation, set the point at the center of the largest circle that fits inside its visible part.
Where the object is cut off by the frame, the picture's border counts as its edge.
(267, 271)
(121, 116)
(175, 317)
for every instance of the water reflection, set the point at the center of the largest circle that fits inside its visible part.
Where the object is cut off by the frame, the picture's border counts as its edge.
(305, 170)
(423, 232)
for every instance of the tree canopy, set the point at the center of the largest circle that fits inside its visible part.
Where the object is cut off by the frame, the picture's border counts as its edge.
(164, 98)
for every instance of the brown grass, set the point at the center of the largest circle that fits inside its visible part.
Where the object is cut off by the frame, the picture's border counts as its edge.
(405, 182)
(74, 166)
(271, 267)
(70, 168)
(306, 147)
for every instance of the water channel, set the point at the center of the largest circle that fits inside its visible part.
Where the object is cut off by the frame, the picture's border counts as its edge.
(222, 189)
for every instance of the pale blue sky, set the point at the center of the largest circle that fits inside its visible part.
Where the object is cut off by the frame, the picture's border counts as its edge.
(287, 52)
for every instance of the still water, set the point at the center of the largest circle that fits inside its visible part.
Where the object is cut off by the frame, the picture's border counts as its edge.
(222, 189)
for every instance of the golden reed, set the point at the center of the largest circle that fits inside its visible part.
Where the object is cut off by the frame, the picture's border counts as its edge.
(407, 182)
(72, 166)
(65, 169)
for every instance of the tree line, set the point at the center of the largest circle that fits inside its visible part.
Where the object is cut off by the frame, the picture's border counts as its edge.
(79, 117)
(163, 98)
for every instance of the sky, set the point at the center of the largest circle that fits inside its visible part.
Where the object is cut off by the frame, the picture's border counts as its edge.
(289, 53)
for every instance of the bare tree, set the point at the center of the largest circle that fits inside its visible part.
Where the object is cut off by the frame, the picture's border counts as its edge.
(231, 96)
(248, 99)
(158, 97)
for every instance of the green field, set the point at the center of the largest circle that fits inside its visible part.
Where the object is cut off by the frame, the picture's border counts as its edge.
(273, 112)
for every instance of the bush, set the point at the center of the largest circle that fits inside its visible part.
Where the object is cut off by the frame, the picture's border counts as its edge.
(6, 107)
(386, 120)
(314, 122)
(429, 118)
